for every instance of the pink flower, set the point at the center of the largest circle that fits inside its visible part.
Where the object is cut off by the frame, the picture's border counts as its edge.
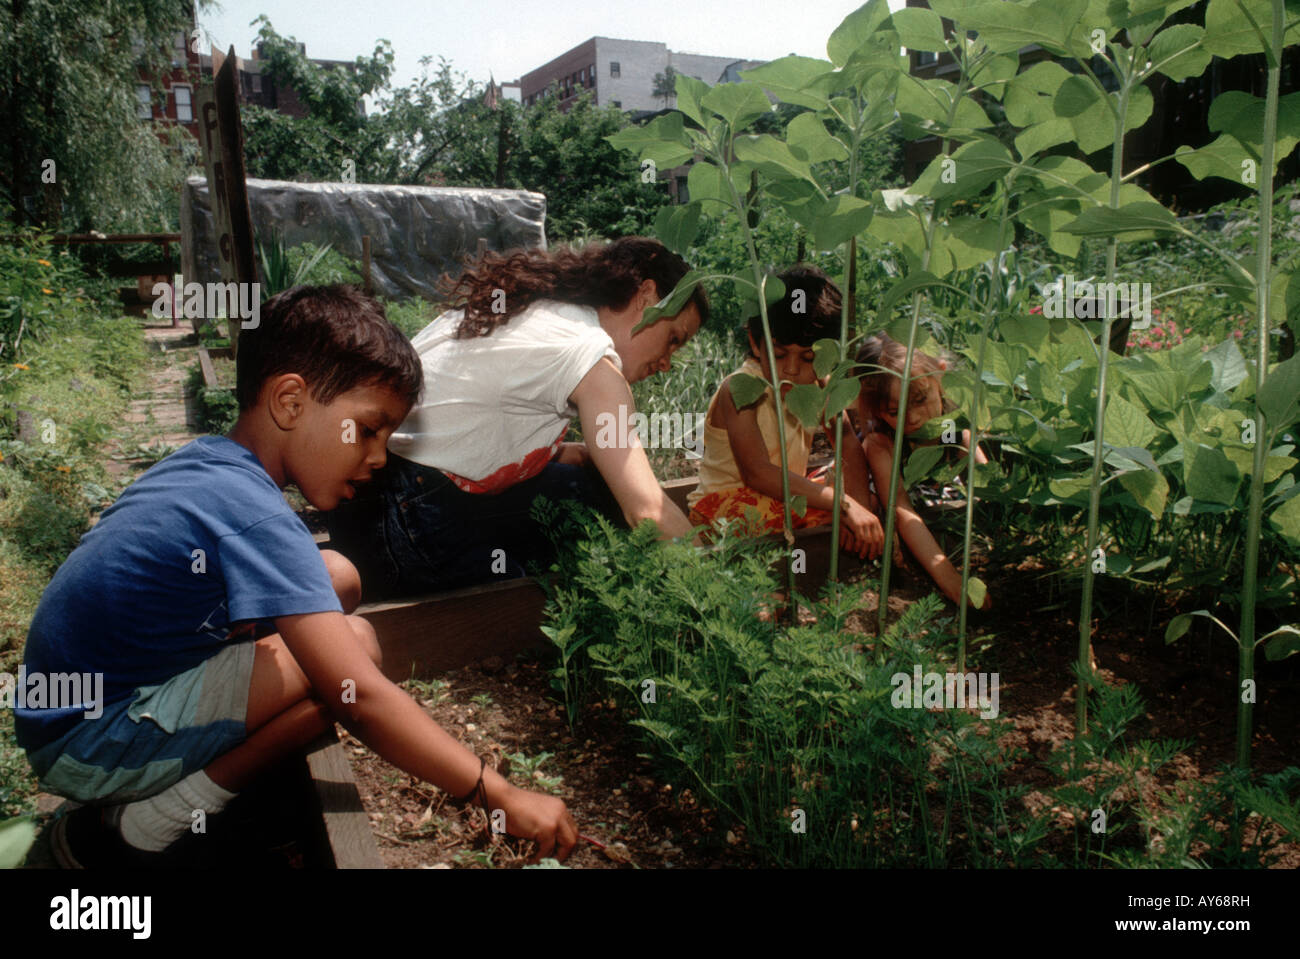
(1236, 334)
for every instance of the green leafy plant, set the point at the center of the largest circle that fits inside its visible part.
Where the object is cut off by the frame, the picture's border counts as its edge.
(282, 268)
(775, 726)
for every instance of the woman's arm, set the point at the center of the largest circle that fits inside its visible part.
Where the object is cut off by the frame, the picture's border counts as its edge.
(917, 536)
(623, 463)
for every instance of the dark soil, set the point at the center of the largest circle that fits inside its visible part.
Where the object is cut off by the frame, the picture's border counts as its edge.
(1029, 638)
(499, 710)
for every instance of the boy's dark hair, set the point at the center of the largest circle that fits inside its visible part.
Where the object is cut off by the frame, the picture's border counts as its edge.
(818, 301)
(335, 337)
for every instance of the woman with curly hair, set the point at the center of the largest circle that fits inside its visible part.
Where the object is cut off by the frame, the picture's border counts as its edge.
(534, 338)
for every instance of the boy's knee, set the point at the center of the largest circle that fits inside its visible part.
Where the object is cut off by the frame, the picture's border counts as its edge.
(368, 638)
(344, 578)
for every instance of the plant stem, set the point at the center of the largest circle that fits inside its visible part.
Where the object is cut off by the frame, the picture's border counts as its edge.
(791, 602)
(849, 302)
(1263, 278)
(1098, 451)
(848, 308)
(895, 466)
(994, 304)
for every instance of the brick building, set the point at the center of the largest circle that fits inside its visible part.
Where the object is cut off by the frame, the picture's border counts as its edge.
(620, 73)
(169, 99)
(259, 88)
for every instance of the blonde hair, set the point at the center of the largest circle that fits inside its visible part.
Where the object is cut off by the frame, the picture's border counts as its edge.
(882, 350)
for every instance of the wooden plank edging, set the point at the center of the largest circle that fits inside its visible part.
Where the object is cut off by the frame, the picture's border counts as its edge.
(347, 827)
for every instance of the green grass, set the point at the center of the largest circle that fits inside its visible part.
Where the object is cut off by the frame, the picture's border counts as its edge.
(76, 386)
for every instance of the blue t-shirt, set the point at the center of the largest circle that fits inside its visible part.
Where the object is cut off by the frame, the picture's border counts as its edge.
(201, 540)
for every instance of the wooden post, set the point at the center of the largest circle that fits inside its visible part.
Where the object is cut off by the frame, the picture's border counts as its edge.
(365, 263)
(222, 141)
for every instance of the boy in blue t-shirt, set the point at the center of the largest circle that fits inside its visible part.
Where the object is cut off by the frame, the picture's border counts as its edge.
(161, 599)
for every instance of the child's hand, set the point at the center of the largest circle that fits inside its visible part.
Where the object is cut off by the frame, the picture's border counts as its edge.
(541, 818)
(988, 598)
(865, 527)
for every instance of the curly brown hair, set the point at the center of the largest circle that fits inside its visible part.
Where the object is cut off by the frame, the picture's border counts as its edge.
(498, 286)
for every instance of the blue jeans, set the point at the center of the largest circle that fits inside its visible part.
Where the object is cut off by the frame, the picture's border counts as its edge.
(413, 530)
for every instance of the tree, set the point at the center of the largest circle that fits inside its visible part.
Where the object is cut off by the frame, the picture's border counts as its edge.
(590, 186)
(73, 143)
(665, 85)
(440, 131)
(336, 138)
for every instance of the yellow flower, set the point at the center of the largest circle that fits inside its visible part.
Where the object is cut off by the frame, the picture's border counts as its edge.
(21, 366)
(47, 292)
(44, 262)
(64, 469)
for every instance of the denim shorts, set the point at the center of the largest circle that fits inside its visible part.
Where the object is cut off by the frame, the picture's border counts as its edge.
(413, 530)
(155, 737)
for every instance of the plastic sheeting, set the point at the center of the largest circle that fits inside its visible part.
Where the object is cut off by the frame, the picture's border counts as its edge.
(416, 233)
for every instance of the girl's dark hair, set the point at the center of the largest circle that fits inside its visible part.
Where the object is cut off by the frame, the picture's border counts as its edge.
(809, 311)
(882, 350)
(335, 337)
(498, 286)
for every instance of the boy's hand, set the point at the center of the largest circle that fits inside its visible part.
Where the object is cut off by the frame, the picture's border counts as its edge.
(541, 818)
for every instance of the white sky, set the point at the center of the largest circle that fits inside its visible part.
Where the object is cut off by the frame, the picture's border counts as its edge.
(508, 38)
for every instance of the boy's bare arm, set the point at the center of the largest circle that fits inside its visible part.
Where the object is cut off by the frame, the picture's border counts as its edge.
(381, 715)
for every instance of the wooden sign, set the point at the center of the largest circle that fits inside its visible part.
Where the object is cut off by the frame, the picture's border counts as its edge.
(222, 140)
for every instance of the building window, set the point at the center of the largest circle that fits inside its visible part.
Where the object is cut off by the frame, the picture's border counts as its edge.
(178, 48)
(184, 107)
(592, 74)
(582, 76)
(144, 106)
(613, 68)
(925, 57)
